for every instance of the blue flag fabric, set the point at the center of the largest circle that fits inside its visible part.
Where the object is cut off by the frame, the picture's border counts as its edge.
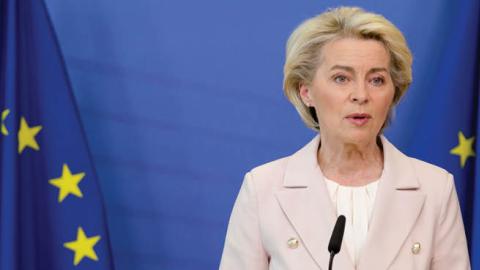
(51, 210)
(443, 125)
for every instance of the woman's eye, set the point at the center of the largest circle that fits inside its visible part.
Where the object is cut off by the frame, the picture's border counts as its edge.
(340, 79)
(378, 81)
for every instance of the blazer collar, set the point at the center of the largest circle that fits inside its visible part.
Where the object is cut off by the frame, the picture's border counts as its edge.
(307, 205)
(397, 206)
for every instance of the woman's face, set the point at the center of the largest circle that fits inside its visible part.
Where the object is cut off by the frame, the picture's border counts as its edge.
(352, 90)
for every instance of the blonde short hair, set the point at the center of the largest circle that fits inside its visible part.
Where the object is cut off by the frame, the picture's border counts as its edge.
(305, 43)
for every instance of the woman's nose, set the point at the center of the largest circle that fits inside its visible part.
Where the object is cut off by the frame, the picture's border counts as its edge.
(359, 94)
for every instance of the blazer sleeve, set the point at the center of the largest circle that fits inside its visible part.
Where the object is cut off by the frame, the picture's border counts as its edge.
(450, 247)
(243, 245)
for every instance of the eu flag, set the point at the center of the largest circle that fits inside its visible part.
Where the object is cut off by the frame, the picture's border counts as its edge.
(51, 209)
(444, 126)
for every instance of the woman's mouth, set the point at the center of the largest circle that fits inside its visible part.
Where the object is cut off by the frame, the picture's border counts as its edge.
(358, 119)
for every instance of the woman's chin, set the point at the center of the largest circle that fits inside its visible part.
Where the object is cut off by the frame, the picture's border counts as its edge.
(359, 137)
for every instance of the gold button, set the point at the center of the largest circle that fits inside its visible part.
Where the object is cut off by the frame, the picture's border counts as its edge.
(416, 248)
(292, 242)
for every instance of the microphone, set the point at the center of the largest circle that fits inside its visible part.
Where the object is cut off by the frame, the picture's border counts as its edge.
(336, 239)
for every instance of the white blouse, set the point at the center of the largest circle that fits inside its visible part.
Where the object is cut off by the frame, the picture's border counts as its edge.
(356, 204)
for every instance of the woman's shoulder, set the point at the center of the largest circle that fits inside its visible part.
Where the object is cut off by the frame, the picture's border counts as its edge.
(273, 174)
(269, 174)
(425, 168)
(432, 178)
(427, 174)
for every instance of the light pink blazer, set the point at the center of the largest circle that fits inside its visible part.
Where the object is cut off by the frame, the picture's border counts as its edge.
(416, 202)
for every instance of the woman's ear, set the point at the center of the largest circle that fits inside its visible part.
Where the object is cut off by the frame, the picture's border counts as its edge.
(305, 95)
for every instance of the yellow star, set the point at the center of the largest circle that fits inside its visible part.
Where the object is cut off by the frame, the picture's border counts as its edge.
(26, 136)
(4, 116)
(464, 149)
(68, 183)
(83, 246)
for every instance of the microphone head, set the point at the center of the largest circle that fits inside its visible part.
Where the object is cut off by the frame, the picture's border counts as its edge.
(337, 235)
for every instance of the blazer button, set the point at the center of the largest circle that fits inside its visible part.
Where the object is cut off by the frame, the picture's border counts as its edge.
(416, 248)
(292, 242)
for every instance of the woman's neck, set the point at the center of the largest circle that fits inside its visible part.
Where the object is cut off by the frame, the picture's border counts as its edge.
(350, 164)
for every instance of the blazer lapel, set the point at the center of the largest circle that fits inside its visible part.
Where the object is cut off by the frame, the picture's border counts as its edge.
(307, 205)
(397, 206)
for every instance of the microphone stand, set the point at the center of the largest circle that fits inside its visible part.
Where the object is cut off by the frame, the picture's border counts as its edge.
(330, 264)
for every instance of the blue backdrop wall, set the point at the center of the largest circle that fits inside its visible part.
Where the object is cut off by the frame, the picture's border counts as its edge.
(180, 98)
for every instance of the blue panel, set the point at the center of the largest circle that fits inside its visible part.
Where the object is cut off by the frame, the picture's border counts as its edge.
(181, 98)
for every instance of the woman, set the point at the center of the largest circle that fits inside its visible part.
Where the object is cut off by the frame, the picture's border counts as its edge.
(345, 70)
